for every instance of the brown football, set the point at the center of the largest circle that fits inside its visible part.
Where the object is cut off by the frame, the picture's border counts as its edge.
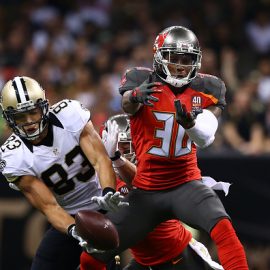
(96, 229)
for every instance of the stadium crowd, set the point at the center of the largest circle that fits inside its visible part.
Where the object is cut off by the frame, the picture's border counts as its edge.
(79, 49)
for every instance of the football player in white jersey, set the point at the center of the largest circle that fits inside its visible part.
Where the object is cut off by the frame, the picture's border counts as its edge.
(53, 156)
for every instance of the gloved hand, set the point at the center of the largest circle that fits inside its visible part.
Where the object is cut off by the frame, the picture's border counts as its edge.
(110, 138)
(83, 243)
(110, 201)
(183, 117)
(142, 93)
(13, 186)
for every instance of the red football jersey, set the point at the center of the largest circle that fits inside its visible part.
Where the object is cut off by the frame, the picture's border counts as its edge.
(166, 155)
(166, 242)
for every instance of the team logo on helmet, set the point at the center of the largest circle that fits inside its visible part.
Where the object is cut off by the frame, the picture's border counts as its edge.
(159, 41)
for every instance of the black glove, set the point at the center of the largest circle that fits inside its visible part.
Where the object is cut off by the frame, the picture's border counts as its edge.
(183, 117)
(142, 93)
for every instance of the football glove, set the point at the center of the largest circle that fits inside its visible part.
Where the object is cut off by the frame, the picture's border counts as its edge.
(110, 201)
(183, 117)
(142, 93)
(83, 243)
(13, 186)
(110, 138)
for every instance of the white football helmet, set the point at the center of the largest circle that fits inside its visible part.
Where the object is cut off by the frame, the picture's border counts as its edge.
(21, 95)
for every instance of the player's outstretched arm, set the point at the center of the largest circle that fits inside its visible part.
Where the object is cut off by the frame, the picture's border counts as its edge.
(124, 167)
(200, 126)
(95, 151)
(40, 196)
(139, 96)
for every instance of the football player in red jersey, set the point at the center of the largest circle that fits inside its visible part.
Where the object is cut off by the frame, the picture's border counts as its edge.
(174, 110)
(170, 245)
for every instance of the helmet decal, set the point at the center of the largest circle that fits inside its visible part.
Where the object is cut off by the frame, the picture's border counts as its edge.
(20, 89)
(159, 41)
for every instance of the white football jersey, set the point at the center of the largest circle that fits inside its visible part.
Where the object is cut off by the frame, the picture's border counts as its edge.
(59, 161)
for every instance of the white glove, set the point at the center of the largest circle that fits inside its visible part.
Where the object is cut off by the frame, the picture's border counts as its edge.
(110, 201)
(73, 232)
(13, 186)
(110, 138)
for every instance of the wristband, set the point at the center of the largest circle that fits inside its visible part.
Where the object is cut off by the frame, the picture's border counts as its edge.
(119, 162)
(106, 190)
(69, 229)
(132, 96)
(117, 155)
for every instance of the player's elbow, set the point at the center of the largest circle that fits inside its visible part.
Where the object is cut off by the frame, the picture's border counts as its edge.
(205, 142)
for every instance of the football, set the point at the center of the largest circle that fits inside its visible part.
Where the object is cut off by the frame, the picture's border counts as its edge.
(97, 230)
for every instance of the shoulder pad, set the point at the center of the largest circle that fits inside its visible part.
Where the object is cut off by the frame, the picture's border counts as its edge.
(71, 113)
(210, 85)
(16, 158)
(13, 143)
(133, 78)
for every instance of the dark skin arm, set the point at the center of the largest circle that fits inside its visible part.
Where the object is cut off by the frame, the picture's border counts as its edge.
(127, 172)
(215, 110)
(129, 107)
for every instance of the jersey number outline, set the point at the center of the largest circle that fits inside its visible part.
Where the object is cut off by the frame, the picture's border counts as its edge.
(183, 144)
(65, 185)
(59, 106)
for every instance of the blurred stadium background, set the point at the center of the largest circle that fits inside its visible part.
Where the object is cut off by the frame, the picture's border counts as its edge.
(79, 49)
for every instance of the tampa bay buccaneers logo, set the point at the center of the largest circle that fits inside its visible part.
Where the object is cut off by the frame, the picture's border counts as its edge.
(159, 41)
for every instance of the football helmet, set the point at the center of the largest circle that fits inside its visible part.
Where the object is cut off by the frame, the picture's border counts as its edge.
(176, 41)
(21, 95)
(124, 136)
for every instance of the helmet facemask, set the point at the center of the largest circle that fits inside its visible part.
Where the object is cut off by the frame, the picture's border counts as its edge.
(125, 145)
(11, 114)
(163, 60)
(172, 48)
